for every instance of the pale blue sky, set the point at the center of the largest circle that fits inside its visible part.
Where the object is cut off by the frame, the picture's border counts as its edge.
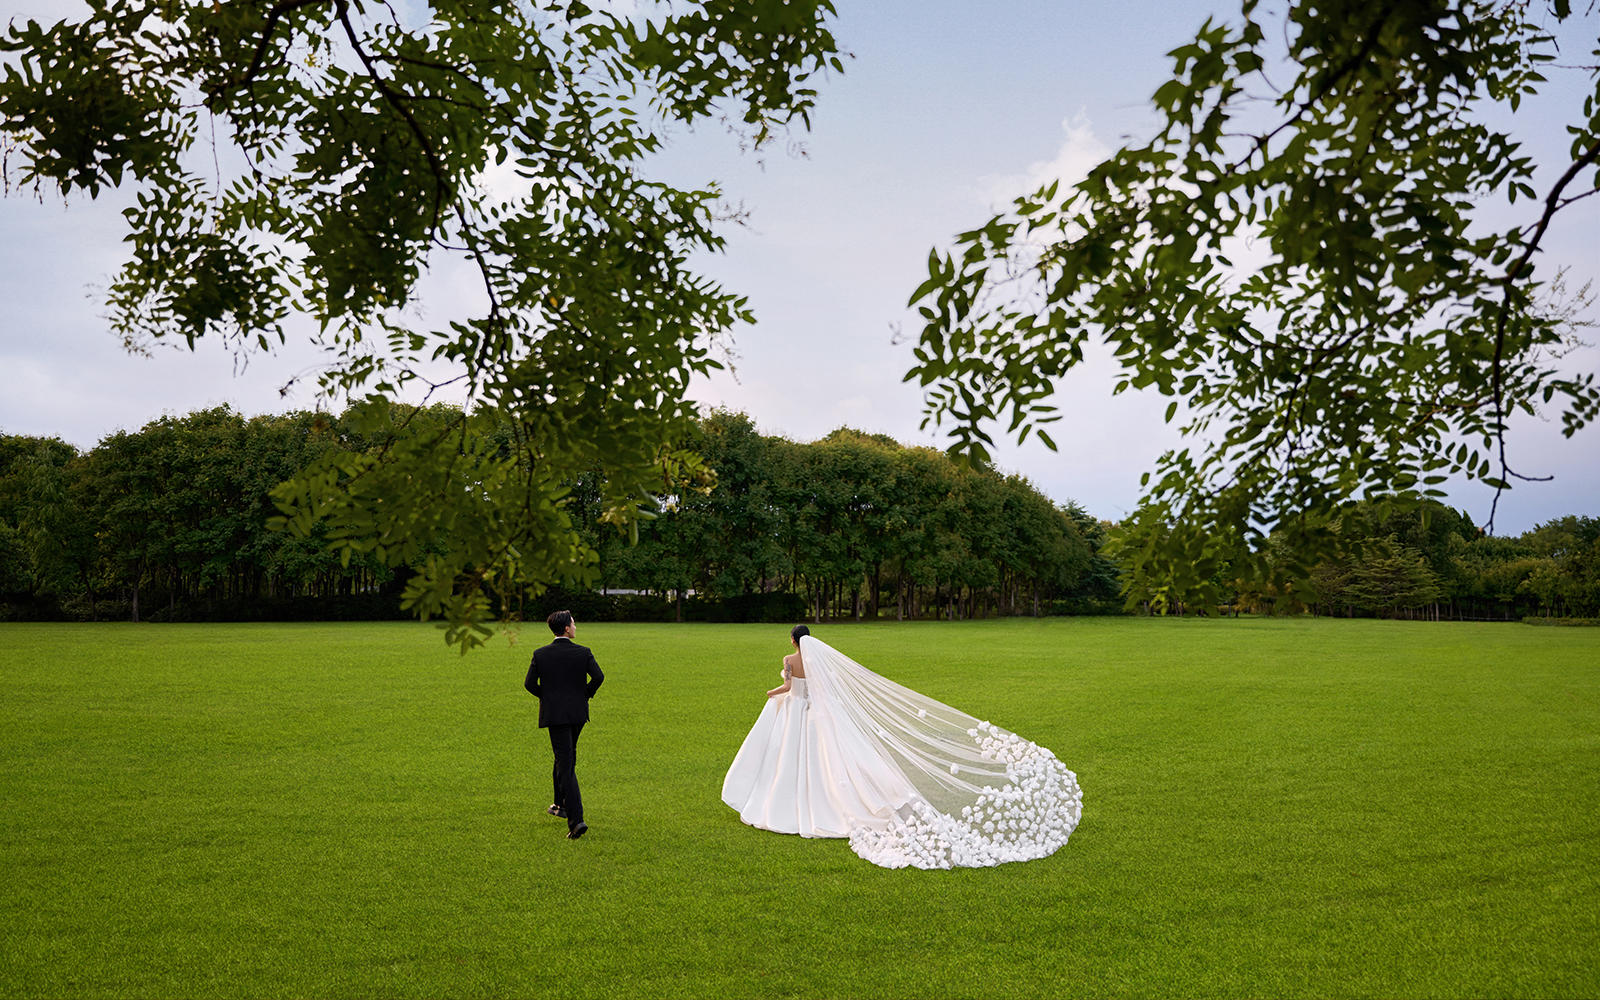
(945, 108)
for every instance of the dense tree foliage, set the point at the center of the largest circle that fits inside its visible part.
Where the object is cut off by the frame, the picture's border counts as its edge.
(171, 521)
(353, 145)
(856, 524)
(176, 521)
(1306, 258)
(1424, 560)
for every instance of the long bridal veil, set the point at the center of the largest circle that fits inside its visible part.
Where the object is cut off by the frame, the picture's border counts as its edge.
(976, 795)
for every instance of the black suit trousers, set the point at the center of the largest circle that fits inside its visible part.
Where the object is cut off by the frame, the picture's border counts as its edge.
(564, 744)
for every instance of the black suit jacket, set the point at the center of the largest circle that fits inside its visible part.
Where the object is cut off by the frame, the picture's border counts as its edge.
(563, 676)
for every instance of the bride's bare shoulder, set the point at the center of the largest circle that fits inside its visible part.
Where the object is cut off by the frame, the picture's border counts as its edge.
(792, 661)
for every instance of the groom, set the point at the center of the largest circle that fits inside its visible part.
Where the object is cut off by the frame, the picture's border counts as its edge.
(564, 676)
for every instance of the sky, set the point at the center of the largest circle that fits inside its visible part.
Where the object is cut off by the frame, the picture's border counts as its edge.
(945, 110)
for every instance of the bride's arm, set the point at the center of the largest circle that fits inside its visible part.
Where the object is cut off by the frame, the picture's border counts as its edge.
(786, 685)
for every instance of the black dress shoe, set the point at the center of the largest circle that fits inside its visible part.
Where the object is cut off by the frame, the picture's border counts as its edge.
(577, 831)
(557, 811)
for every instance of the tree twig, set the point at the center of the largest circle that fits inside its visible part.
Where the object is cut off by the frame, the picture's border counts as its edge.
(1552, 204)
(396, 100)
(274, 14)
(1332, 80)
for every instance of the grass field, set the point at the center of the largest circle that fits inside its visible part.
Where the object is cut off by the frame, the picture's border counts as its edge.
(1271, 807)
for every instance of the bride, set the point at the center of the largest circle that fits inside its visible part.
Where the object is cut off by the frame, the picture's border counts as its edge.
(839, 751)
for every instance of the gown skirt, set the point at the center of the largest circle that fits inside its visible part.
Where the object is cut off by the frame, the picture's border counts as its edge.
(802, 771)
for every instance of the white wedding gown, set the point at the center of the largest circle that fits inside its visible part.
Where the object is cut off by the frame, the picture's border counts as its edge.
(909, 780)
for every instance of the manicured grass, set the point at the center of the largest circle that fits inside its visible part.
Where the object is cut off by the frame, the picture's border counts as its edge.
(1321, 808)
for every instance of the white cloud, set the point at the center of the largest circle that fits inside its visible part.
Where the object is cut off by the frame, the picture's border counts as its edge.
(1080, 151)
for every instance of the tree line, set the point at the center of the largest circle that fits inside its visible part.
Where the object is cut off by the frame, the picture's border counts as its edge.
(177, 521)
(1422, 559)
(171, 521)
(856, 526)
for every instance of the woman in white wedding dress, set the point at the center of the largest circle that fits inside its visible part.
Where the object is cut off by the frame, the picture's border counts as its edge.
(839, 751)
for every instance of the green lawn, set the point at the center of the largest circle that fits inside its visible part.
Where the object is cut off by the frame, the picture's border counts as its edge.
(1319, 808)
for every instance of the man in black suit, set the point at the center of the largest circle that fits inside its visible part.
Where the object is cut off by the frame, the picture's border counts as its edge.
(564, 676)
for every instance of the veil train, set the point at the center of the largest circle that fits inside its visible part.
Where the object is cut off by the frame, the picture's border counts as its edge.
(910, 780)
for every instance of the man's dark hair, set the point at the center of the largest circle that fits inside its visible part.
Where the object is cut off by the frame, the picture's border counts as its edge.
(798, 631)
(559, 620)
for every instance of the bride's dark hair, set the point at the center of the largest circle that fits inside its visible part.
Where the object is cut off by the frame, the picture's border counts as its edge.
(798, 631)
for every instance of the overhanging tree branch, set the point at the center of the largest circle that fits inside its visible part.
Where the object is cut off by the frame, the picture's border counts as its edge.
(273, 15)
(1552, 204)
